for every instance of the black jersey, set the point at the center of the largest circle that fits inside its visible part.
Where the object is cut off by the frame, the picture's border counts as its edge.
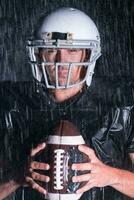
(103, 114)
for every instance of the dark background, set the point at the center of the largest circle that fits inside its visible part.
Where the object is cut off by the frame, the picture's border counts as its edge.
(114, 19)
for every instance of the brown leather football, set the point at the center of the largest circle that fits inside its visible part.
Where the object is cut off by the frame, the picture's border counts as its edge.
(63, 151)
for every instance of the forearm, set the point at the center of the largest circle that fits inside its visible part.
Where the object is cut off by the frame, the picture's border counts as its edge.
(7, 188)
(124, 182)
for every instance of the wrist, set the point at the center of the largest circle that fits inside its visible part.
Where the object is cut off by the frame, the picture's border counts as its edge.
(115, 176)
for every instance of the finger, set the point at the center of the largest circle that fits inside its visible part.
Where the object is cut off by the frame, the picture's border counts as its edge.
(35, 186)
(88, 151)
(38, 149)
(87, 187)
(39, 165)
(82, 166)
(82, 178)
(39, 177)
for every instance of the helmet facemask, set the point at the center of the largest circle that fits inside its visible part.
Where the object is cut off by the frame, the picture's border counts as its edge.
(52, 71)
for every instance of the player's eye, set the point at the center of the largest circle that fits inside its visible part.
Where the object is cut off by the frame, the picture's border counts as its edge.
(51, 50)
(73, 51)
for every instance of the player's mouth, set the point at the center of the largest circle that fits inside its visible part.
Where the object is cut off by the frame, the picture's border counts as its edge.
(62, 73)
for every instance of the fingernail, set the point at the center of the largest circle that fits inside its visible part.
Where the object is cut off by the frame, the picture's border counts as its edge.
(43, 144)
(46, 195)
(73, 166)
(47, 167)
(78, 192)
(44, 192)
(80, 147)
(47, 179)
(73, 179)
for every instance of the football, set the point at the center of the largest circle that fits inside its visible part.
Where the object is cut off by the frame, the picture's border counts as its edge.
(63, 151)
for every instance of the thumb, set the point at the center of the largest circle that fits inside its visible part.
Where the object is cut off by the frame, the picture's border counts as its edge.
(40, 147)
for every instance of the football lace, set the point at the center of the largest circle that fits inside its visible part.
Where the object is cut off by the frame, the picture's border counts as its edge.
(58, 168)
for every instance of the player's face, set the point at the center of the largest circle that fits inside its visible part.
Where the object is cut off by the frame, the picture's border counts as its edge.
(64, 56)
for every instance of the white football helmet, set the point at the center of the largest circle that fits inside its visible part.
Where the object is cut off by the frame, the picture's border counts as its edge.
(66, 28)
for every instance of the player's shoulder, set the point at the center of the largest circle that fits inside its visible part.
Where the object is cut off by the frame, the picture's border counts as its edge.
(12, 92)
(123, 92)
(113, 92)
(12, 86)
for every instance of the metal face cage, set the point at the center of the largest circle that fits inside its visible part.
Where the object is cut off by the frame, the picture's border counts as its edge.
(40, 66)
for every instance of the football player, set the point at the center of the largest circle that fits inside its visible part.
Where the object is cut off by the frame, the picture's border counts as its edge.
(62, 55)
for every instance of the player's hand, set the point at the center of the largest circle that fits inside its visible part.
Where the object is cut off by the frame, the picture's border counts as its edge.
(34, 176)
(100, 175)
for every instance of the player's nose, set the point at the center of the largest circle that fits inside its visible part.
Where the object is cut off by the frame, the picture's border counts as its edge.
(61, 55)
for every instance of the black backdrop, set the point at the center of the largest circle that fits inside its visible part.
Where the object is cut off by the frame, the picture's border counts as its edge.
(114, 19)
